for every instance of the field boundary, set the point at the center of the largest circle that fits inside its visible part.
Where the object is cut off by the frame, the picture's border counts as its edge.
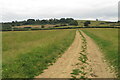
(22, 29)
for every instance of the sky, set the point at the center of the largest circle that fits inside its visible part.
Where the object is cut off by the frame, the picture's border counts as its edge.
(12, 10)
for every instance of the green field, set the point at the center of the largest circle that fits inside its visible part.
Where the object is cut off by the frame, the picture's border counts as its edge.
(107, 39)
(93, 23)
(27, 53)
(97, 23)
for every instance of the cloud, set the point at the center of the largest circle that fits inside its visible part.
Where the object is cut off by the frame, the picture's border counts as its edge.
(78, 9)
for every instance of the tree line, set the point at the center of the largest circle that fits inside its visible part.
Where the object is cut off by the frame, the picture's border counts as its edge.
(61, 22)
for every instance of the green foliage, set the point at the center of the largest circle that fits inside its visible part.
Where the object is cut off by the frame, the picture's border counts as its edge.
(73, 23)
(6, 26)
(42, 26)
(80, 73)
(76, 72)
(86, 23)
(83, 58)
(60, 22)
(30, 21)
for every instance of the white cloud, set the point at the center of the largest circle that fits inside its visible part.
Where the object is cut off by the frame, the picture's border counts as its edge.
(79, 9)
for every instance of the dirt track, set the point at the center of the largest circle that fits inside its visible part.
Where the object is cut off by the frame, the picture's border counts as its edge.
(64, 65)
(96, 60)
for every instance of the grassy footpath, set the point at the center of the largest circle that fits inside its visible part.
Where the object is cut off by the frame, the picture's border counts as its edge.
(107, 39)
(27, 53)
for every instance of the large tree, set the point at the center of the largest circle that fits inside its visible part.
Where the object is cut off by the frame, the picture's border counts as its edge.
(30, 21)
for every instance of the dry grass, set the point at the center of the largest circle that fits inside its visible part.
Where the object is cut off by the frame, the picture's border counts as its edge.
(35, 26)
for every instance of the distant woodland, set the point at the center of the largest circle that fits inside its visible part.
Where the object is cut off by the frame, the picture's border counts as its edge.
(60, 22)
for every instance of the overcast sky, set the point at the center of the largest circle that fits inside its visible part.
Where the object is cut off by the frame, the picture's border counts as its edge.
(45, 9)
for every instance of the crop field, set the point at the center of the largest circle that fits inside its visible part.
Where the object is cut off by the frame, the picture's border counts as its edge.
(107, 40)
(97, 23)
(93, 23)
(27, 53)
(34, 26)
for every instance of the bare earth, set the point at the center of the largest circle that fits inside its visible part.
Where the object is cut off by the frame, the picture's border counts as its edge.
(96, 60)
(64, 65)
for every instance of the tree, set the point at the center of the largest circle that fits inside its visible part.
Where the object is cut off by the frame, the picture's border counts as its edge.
(51, 21)
(37, 21)
(73, 23)
(63, 20)
(42, 26)
(13, 23)
(30, 21)
(68, 20)
(43, 22)
(87, 23)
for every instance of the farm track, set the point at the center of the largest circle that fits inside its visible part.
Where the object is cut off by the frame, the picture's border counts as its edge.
(64, 65)
(96, 60)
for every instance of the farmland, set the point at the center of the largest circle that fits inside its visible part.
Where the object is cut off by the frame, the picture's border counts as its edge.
(84, 58)
(27, 53)
(98, 23)
(107, 40)
(42, 53)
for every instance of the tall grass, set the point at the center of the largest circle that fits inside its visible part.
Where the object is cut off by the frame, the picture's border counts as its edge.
(107, 39)
(26, 54)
